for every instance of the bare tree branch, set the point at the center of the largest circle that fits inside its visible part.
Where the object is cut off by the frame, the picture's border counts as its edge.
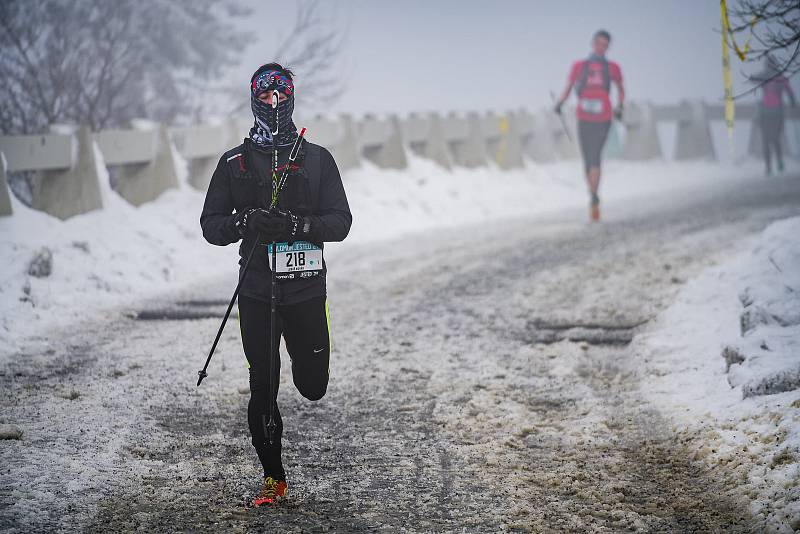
(102, 63)
(772, 28)
(313, 49)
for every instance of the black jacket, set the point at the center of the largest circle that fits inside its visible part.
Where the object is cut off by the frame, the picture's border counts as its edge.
(313, 189)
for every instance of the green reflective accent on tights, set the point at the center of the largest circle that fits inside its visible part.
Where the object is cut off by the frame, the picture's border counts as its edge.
(328, 320)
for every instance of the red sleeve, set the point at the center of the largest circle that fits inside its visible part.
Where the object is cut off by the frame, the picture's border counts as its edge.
(575, 71)
(614, 71)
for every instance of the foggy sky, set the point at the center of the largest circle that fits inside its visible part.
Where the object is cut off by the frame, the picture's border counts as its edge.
(444, 55)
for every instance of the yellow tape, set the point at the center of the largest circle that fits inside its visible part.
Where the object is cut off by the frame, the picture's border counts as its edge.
(726, 29)
(500, 155)
(730, 111)
(727, 81)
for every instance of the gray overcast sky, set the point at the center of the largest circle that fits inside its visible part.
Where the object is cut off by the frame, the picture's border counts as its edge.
(416, 55)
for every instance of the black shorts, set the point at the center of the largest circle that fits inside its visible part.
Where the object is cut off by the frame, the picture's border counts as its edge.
(592, 137)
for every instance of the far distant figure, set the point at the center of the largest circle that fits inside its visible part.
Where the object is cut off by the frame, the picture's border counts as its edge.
(773, 85)
(592, 79)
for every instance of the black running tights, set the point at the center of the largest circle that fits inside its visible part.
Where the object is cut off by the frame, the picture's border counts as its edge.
(305, 330)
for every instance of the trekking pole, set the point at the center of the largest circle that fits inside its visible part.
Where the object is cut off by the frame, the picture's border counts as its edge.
(202, 373)
(560, 116)
(292, 156)
(269, 426)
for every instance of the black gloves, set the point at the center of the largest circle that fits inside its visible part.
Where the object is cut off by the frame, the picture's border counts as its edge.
(241, 219)
(270, 226)
(557, 108)
(297, 228)
(273, 226)
(618, 112)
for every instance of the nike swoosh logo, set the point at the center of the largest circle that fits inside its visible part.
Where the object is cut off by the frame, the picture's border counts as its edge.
(318, 351)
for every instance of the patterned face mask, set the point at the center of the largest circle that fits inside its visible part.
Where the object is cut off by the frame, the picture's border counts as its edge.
(273, 126)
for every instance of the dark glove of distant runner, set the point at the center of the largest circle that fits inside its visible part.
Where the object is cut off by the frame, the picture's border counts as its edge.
(557, 108)
(618, 112)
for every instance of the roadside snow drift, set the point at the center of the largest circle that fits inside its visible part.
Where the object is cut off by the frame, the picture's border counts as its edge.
(724, 361)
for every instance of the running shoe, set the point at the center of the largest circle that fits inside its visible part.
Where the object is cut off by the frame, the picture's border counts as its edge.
(594, 208)
(594, 212)
(271, 491)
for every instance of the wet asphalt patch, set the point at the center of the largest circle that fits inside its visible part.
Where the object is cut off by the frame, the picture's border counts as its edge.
(186, 310)
(598, 334)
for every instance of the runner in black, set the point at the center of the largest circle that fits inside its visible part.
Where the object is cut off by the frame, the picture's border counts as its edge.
(592, 79)
(312, 208)
(770, 110)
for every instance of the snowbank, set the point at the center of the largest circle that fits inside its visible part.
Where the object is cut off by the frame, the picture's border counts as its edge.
(723, 360)
(53, 272)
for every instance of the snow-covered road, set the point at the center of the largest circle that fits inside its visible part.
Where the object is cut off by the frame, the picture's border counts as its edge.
(481, 380)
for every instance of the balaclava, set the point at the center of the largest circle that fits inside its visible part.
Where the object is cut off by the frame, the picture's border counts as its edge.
(265, 115)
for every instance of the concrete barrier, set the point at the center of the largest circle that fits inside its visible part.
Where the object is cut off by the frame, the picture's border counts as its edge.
(74, 191)
(503, 141)
(490, 129)
(338, 136)
(381, 142)
(66, 180)
(525, 124)
(39, 152)
(641, 139)
(541, 147)
(566, 146)
(239, 131)
(5, 194)
(693, 136)
(201, 147)
(425, 138)
(142, 162)
(465, 140)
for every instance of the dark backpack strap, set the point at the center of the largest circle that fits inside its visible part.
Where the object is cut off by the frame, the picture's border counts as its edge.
(580, 85)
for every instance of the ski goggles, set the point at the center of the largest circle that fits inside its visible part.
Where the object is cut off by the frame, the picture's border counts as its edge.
(271, 80)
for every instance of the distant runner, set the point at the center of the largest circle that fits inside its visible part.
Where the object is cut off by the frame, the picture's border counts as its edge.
(592, 79)
(774, 85)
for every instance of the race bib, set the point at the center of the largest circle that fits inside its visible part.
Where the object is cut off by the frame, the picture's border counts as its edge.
(301, 259)
(592, 105)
